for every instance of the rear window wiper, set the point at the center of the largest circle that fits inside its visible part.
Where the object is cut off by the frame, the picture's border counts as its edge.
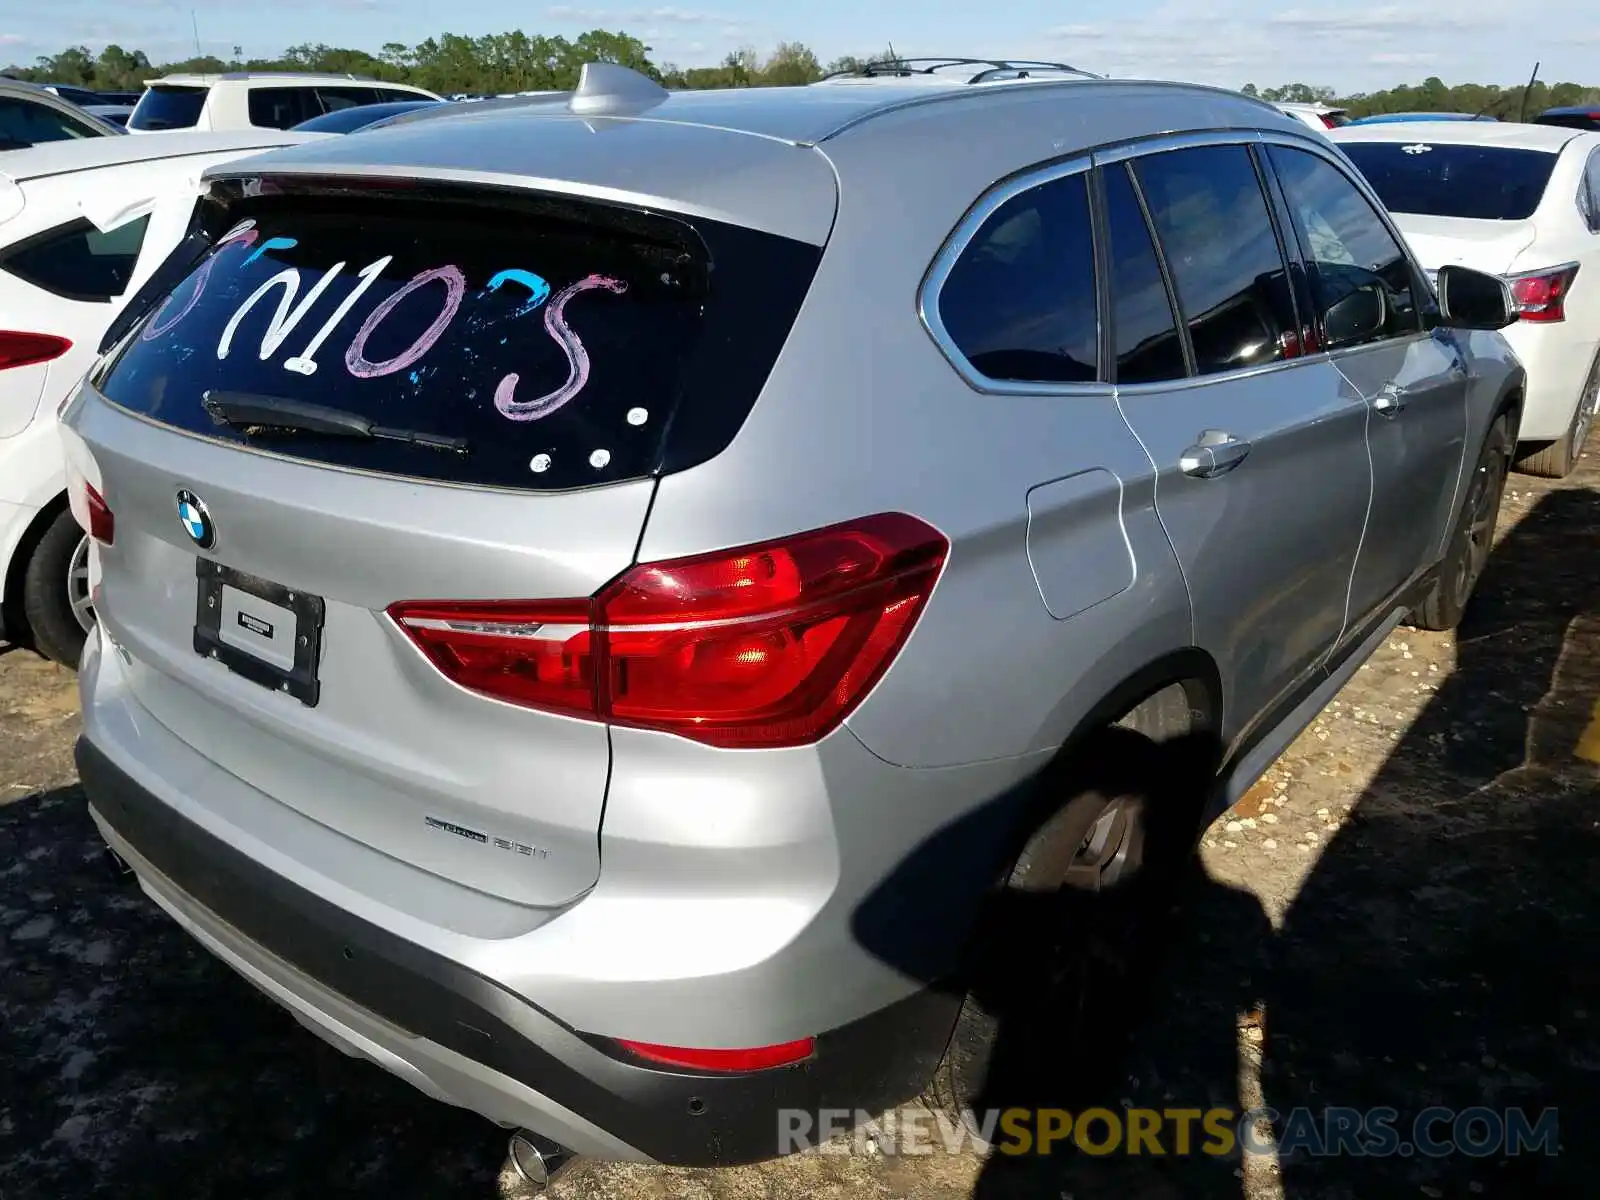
(270, 415)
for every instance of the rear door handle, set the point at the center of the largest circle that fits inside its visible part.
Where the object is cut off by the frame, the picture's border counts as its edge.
(1216, 453)
(1390, 400)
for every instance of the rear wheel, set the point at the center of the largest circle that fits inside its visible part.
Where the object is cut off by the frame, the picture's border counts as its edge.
(1555, 460)
(1472, 538)
(1058, 953)
(55, 592)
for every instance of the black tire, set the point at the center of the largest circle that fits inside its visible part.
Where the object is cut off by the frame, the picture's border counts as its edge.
(46, 598)
(1058, 958)
(1471, 539)
(1555, 460)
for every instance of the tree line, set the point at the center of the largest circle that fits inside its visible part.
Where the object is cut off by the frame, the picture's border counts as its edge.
(516, 61)
(451, 63)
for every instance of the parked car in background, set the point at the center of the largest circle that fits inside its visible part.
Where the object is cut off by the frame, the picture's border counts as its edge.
(1521, 202)
(127, 98)
(1573, 116)
(256, 99)
(113, 114)
(348, 120)
(575, 631)
(77, 95)
(31, 115)
(1320, 117)
(1409, 117)
(82, 225)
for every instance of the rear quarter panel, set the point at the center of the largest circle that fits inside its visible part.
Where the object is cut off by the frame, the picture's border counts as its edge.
(863, 414)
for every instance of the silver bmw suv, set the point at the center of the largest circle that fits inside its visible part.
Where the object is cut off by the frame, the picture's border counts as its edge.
(594, 595)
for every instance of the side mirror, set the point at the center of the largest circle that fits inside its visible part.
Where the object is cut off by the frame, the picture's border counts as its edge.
(1357, 316)
(1471, 299)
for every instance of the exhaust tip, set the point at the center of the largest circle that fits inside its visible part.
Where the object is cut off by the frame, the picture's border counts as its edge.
(537, 1160)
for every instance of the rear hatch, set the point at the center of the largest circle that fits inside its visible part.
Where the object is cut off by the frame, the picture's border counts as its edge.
(168, 106)
(521, 358)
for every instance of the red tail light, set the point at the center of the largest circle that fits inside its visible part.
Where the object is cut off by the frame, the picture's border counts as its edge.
(25, 349)
(101, 525)
(760, 646)
(1542, 295)
(760, 1058)
(1329, 121)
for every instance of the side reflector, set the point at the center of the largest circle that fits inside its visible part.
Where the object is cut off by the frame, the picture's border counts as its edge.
(759, 1058)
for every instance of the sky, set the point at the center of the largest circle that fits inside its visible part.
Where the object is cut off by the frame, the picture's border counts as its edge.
(1349, 46)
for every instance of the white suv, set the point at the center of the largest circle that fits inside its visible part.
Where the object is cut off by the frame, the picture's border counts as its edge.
(256, 99)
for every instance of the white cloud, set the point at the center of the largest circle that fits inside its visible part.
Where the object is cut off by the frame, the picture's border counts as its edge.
(1398, 59)
(1078, 33)
(1388, 18)
(13, 39)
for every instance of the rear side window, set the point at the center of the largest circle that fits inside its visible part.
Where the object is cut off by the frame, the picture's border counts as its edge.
(1483, 183)
(282, 108)
(390, 95)
(24, 123)
(1019, 303)
(1589, 193)
(168, 108)
(334, 98)
(1221, 248)
(1148, 346)
(548, 343)
(78, 261)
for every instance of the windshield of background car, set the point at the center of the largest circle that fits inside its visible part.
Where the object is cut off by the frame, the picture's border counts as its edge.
(1485, 183)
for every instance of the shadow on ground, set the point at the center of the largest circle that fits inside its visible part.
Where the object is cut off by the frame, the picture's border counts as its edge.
(136, 1065)
(1442, 952)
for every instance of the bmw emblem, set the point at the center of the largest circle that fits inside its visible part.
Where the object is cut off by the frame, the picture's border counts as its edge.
(196, 519)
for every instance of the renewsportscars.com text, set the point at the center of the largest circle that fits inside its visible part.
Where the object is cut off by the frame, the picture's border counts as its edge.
(1218, 1132)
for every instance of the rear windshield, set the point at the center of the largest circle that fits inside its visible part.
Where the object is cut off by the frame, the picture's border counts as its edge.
(168, 108)
(1486, 183)
(548, 343)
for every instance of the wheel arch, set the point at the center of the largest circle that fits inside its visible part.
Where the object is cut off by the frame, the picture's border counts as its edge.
(12, 624)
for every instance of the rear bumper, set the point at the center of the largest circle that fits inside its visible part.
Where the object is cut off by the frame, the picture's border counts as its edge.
(464, 1039)
(1558, 358)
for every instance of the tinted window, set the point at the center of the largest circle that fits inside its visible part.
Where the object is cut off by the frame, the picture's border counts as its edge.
(1215, 229)
(77, 260)
(1361, 282)
(168, 108)
(1590, 121)
(1020, 301)
(556, 339)
(1589, 192)
(1486, 183)
(1148, 347)
(282, 108)
(335, 98)
(24, 123)
(393, 96)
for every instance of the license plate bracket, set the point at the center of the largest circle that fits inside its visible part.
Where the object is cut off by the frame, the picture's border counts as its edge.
(213, 602)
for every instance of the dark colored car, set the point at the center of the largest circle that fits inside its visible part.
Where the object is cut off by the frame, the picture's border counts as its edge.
(348, 120)
(1572, 116)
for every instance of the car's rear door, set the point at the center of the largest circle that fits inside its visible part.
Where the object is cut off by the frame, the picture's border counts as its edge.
(1260, 452)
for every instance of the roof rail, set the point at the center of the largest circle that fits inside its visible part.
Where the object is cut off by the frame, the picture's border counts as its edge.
(984, 69)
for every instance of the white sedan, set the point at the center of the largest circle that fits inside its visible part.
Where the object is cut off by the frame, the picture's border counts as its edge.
(83, 224)
(1522, 202)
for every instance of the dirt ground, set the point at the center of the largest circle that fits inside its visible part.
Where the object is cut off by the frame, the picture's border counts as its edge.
(1405, 912)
